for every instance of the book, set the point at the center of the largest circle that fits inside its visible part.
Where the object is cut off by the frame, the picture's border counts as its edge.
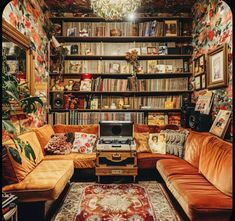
(204, 102)
(221, 123)
(158, 119)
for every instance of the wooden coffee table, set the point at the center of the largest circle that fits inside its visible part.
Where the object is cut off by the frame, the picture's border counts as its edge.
(116, 163)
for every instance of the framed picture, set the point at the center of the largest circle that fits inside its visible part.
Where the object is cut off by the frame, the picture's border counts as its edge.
(199, 65)
(221, 123)
(152, 50)
(171, 28)
(114, 68)
(71, 32)
(197, 82)
(203, 81)
(217, 67)
(85, 85)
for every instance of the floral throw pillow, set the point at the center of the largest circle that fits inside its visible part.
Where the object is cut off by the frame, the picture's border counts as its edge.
(60, 144)
(175, 140)
(84, 143)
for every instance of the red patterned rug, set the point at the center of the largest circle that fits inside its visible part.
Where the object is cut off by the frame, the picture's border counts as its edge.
(145, 201)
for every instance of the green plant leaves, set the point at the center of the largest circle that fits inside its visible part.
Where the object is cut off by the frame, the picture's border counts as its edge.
(8, 126)
(29, 104)
(29, 152)
(15, 155)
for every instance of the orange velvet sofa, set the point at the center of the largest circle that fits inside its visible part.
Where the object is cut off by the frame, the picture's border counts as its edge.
(28, 175)
(202, 181)
(146, 160)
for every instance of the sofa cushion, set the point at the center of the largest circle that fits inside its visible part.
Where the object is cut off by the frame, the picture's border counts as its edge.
(45, 182)
(170, 167)
(175, 140)
(143, 128)
(157, 143)
(216, 164)
(80, 160)
(60, 143)
(141, 140)
(148, 160)
(21, 156)
(199, 199)
(90, 129)
(84, 143)
(193, 146)
(44, 134)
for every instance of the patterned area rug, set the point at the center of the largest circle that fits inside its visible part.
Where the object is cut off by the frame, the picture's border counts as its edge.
(145, 201)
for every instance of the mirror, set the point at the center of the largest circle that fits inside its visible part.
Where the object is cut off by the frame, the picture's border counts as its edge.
(19, 56)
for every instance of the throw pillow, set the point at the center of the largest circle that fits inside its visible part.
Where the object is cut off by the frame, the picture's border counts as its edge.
(84, 143)
(175, 140)
(20, 156)
(141, 140)
(60, 144)
(157, 143)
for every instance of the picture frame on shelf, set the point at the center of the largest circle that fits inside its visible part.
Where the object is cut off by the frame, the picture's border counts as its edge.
(221, 123)
(199, 65)
(198, 82)
(152, 50)
(114, 68)
(171, 27)
(203, 81)
(85, 85)
(217, 67)
(71, 32)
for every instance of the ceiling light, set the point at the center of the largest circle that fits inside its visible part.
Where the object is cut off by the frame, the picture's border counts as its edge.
(114, 9)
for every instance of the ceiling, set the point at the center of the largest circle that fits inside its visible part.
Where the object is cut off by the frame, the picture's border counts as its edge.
(149, 6)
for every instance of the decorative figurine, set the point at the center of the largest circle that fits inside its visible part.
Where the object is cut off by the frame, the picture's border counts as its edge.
(69, 86)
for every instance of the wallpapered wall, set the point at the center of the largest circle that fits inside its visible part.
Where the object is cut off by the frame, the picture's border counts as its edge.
(212, 26)
(31, 17)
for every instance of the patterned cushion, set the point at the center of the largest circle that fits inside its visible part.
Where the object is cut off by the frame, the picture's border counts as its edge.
(157, 143)
(141, 140)
(175, 140)
(84, 143)
(60, 144)
(20, 157)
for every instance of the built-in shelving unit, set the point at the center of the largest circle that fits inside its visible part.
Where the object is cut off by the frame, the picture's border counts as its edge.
(152, 91)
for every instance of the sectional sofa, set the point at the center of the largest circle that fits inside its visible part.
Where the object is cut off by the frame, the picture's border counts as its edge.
(201, 181)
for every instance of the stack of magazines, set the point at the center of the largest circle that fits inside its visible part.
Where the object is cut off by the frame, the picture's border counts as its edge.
(8, 203)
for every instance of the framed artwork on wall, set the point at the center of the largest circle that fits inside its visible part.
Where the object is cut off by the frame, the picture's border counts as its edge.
(217, 67)
(221, 123)
(203, 81)
(197, 83)
(199, 65)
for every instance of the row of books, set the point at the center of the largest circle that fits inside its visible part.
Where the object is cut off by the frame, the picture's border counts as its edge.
(107, 29)
(143, 48)
(165, 84)
(122, 67)
(74, 117)
(163, 119)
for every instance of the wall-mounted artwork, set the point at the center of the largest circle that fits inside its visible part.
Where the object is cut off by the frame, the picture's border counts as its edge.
(217, 67)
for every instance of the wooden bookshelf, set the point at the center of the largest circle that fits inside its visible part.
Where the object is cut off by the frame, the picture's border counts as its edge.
(124, 75)
(97, 19)
(101, 54)
(118, 110)
(66, 39)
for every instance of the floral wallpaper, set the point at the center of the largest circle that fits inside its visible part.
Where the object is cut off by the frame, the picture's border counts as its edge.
(212, 26)
(31, 18)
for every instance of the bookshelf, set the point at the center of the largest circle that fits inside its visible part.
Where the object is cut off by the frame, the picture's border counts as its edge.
(164, 77)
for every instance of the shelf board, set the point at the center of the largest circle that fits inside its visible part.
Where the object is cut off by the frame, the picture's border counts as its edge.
(124, 75)
(118, 110)
(125, 93)
(122, 57)
(98, 19)
(63, 39)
